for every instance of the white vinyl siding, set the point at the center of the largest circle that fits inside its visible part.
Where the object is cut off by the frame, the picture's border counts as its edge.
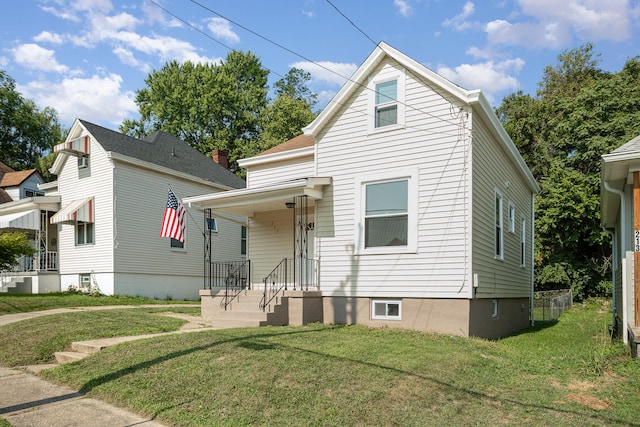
(428, 144)
(74, 184)
(139, 247)
(270, 241)
(286, 170)
(498, 278)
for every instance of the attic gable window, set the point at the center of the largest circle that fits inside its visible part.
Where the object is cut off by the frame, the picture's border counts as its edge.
(386, 104)
(386, 100)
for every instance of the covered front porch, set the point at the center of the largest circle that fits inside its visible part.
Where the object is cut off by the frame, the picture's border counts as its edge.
(279, 237)
(38, 273)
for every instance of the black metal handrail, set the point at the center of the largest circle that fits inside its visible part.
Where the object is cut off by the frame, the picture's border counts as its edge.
(235, 276)
(274, 283)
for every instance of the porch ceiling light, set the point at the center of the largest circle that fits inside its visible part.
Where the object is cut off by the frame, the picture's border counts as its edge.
(290, 205)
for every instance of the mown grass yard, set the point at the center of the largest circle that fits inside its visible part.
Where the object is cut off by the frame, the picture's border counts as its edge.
(23, 303)
(564, 373)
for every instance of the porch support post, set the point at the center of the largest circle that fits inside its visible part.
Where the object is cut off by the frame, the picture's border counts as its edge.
(636, 254)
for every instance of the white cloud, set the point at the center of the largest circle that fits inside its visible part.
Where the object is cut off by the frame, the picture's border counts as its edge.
(221, 28)
(97, 99)
(35, 57)
(126, 57)
(551, 35)
(459, 22)
(404, 8)
(333, 73)
(491, 77)
(552, 24)
(47, 37)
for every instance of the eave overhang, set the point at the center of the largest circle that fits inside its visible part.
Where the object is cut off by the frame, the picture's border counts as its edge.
(248, 201)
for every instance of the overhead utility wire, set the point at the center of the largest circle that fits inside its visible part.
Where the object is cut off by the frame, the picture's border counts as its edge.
(288, 50)
(352, 23)
(268, 40)
(202, 32)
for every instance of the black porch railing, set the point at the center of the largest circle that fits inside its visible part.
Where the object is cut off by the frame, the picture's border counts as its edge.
(274, 283)
(232, 276)
(301, 274)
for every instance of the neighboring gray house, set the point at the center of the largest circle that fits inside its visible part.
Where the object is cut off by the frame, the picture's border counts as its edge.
(404, 204)
(620, 207)
(112, 192)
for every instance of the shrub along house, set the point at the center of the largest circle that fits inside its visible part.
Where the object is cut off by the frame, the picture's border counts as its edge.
(110, 198)
(403, 204)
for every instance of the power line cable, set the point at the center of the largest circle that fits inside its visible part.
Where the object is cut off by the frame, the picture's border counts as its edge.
(310, 60)
(298, 55)
(352, 23)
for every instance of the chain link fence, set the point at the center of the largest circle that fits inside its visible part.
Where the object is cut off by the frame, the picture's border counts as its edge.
(549, 305)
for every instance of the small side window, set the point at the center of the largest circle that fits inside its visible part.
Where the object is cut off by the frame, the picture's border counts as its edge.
(212, 225)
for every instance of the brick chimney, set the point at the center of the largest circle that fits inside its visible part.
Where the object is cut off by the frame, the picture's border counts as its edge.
(220, 157)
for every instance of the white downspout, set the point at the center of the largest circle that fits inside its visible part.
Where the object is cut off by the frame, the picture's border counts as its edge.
(614, 261)
(623, 245)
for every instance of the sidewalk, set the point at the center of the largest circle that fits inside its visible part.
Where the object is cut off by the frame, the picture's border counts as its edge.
(29, 401)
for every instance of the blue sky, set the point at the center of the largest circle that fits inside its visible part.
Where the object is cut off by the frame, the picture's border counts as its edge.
(86, 58)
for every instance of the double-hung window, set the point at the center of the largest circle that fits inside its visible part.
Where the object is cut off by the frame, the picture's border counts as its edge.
(84, 233)
(386, 214)
(386, 100)
(386, 110)
(499, 231)
(523, 242)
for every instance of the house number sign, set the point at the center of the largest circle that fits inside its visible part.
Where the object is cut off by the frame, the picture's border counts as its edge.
(637, 245)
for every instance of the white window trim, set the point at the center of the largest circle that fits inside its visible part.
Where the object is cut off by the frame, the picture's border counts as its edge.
(495, 309)
(496, 221)
(512, 217)
(76, 227)
(412, 212)
(399, 77)
(386, 302)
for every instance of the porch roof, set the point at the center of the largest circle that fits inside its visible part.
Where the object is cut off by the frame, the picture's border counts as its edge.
(29, 220)
(247, 201)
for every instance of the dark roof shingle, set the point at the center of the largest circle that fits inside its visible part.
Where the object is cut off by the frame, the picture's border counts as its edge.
(163, 149)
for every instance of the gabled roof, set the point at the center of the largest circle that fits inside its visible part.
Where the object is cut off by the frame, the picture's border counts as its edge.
(4, 196)
(164, 150)
(13, 179)
(5, 168)
(474, 98)
(300, 141)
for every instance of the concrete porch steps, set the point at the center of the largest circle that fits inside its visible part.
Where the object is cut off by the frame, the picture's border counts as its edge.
(244, 312)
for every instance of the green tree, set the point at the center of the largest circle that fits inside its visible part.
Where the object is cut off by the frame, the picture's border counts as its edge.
(208, 106)
(294, 84)
(291, 111)
(579, 113)
(12, 247)
(26, 132)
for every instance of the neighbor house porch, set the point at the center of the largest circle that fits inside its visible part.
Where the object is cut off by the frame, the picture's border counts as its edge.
(38, 273)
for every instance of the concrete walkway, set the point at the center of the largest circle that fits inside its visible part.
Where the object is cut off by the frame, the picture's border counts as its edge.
(27, 400)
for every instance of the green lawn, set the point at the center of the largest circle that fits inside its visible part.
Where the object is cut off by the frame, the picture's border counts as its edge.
(558, 373)
(22, 303)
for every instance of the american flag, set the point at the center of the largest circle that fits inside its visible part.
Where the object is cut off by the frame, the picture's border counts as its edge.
(173, 221)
